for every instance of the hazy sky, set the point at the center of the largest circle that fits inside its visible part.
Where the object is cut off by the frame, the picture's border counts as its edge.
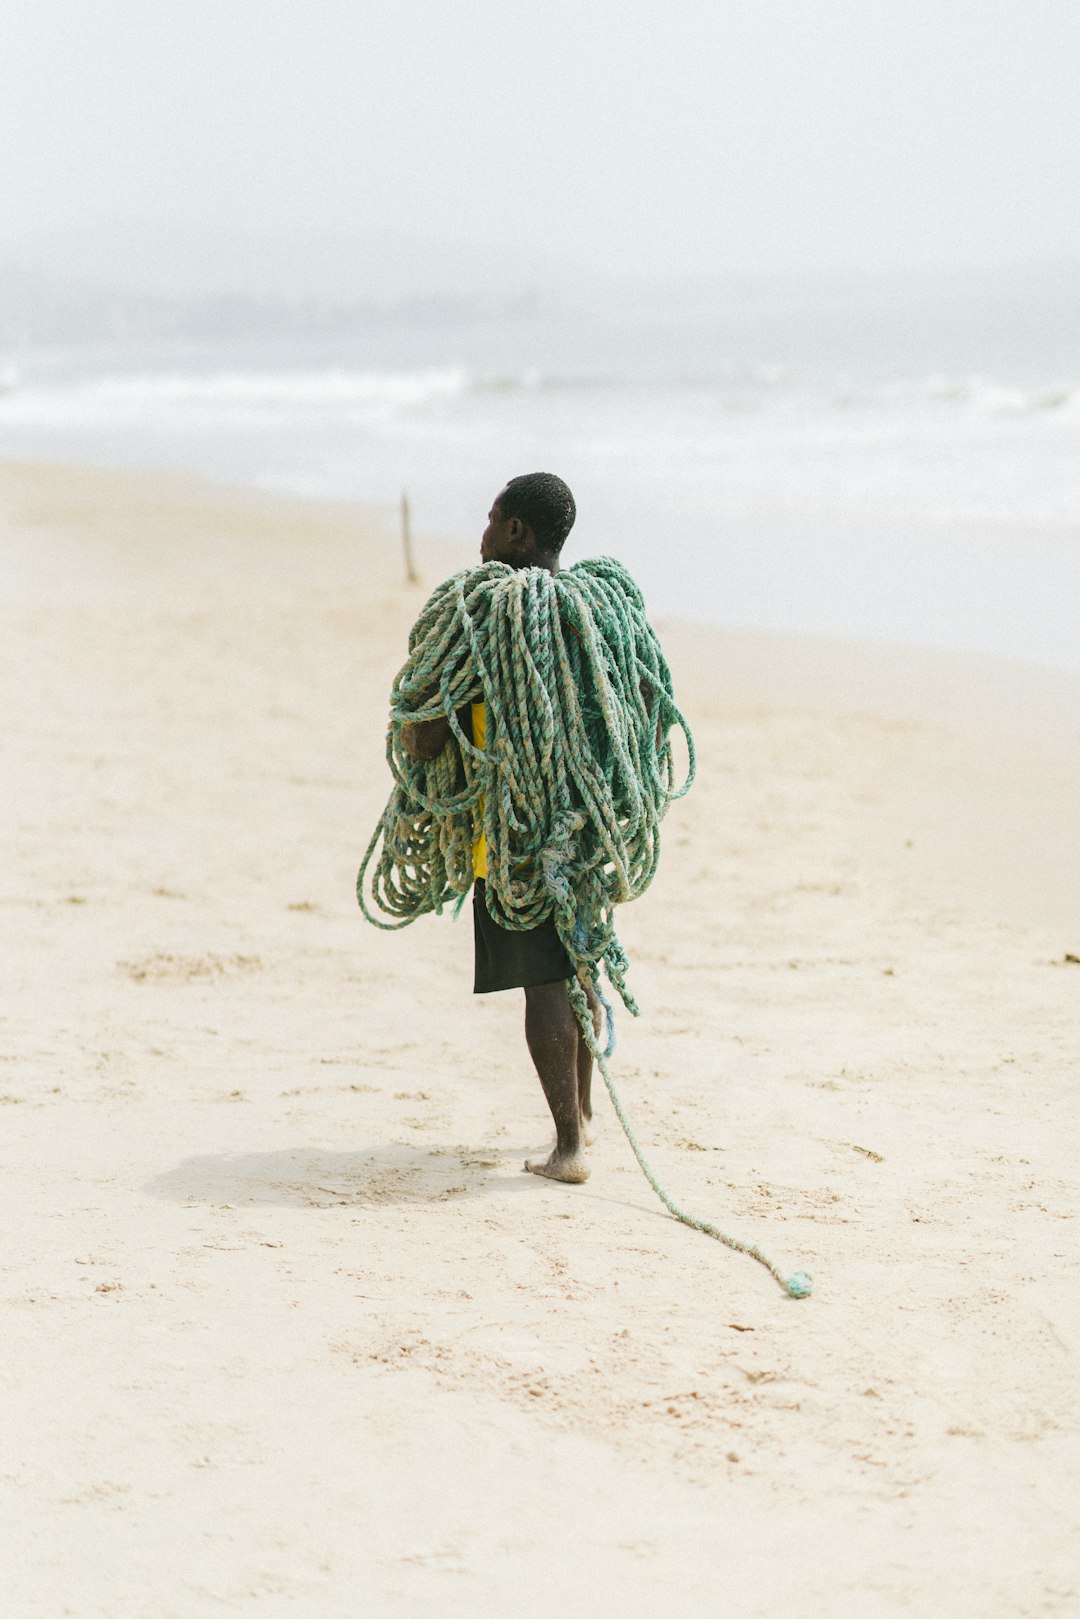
(660, 136)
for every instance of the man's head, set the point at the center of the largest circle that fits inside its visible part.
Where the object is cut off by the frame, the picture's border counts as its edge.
(528, 522)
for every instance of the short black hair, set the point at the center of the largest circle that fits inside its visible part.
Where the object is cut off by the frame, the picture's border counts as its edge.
(544, 504)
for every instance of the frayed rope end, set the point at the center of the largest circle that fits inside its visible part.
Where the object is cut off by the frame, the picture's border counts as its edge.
(799, 1284)
(609, 1015)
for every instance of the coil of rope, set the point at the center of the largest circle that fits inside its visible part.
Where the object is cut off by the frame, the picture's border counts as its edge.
(576, 774)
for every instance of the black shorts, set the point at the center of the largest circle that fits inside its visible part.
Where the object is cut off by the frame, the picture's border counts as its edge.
(509, 960)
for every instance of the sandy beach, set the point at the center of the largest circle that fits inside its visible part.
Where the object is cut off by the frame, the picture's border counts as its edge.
(286, 1329)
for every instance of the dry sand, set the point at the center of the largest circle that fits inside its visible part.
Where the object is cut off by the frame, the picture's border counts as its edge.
(286, 1330)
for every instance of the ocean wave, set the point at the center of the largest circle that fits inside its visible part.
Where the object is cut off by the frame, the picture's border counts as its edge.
(283, 389)
(236, 396)
(255, 394)
(768, 441)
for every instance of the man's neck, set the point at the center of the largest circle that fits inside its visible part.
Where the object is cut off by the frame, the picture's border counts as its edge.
(547, 560)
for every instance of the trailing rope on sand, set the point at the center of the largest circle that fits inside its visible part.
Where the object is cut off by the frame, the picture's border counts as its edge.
(569, 791)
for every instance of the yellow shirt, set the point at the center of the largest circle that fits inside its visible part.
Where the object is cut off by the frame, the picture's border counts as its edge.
(479, 732)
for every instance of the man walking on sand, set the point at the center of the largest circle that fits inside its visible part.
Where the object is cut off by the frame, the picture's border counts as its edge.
(527, 525)
(529, 741)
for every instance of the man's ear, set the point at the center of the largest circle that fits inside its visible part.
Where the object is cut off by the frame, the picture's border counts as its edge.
(516, 532)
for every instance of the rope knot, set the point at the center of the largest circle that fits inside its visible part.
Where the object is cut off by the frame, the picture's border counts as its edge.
(558, 857)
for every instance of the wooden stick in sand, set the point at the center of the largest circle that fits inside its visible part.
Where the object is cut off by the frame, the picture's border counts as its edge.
(411, 575)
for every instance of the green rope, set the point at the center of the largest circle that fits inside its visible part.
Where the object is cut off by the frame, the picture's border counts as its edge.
(569, 791)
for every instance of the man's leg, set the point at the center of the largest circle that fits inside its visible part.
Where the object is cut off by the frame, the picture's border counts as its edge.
(554, 1042)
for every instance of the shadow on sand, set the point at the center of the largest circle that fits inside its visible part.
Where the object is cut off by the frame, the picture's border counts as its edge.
(304, 1177)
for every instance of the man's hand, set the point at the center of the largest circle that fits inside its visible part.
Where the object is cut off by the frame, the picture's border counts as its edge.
(425, 739)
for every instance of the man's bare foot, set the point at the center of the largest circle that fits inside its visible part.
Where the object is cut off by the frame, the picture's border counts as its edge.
(570, 1167)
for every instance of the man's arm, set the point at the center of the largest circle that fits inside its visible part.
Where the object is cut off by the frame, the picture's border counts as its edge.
(425, 739)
